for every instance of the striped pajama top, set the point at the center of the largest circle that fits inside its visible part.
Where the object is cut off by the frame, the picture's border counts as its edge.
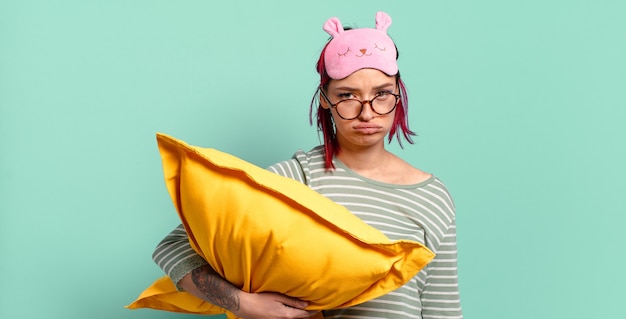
(422, 212)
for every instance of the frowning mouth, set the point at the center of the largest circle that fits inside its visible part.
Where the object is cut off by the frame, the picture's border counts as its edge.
(367, 129)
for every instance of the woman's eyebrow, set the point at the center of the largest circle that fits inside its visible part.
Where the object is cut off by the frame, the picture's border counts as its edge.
(378, 87)
(345, 88)
(384, 86)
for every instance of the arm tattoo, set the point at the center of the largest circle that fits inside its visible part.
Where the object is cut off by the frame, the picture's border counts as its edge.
(217, 290)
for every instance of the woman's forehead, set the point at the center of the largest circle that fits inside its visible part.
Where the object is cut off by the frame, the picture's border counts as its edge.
(364, 79)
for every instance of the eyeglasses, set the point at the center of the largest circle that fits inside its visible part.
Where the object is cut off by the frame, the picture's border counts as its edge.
(349, 109)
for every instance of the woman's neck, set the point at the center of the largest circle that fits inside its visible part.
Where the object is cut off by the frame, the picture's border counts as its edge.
(381, 165)
(364, 159)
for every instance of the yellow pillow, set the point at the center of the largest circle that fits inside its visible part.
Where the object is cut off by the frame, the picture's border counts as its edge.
(265, 232)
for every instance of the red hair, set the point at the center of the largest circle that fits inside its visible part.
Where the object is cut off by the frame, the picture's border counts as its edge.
(399, 128)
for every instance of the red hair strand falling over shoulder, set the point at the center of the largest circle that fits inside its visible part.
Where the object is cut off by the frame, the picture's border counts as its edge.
(399, 129)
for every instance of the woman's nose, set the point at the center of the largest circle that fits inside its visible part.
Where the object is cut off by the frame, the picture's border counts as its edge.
(367, 113)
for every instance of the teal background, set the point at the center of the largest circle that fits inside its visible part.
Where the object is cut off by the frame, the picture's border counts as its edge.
(519, 107)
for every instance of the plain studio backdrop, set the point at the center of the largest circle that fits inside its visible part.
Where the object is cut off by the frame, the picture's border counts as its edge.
(519, 107)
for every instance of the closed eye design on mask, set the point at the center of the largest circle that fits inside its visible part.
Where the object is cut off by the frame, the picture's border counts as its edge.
(345, 53)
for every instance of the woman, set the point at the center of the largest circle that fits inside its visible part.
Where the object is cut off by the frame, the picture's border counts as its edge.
(361, 101)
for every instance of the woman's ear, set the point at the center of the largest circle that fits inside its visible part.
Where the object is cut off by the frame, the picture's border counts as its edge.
(323, 101)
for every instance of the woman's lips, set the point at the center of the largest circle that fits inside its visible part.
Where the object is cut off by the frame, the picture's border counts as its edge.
(367, 129)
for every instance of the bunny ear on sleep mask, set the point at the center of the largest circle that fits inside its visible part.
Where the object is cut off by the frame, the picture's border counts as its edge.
(383, 21)
(351, 50)
(333, 27)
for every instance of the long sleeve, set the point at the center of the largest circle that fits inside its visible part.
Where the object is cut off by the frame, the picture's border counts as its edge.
(440, 298)
(175, 256)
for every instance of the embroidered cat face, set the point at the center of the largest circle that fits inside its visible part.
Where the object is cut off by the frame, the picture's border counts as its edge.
(352, 50)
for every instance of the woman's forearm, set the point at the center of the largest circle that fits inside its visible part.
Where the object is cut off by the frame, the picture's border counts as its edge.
(204, 283)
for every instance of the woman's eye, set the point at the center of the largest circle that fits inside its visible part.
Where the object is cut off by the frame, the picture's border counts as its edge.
(384, 95)
(344, 96)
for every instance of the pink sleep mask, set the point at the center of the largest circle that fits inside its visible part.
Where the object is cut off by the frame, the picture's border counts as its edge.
(355, 49)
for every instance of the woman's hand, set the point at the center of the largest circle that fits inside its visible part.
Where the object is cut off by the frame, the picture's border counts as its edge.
(272, 305)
